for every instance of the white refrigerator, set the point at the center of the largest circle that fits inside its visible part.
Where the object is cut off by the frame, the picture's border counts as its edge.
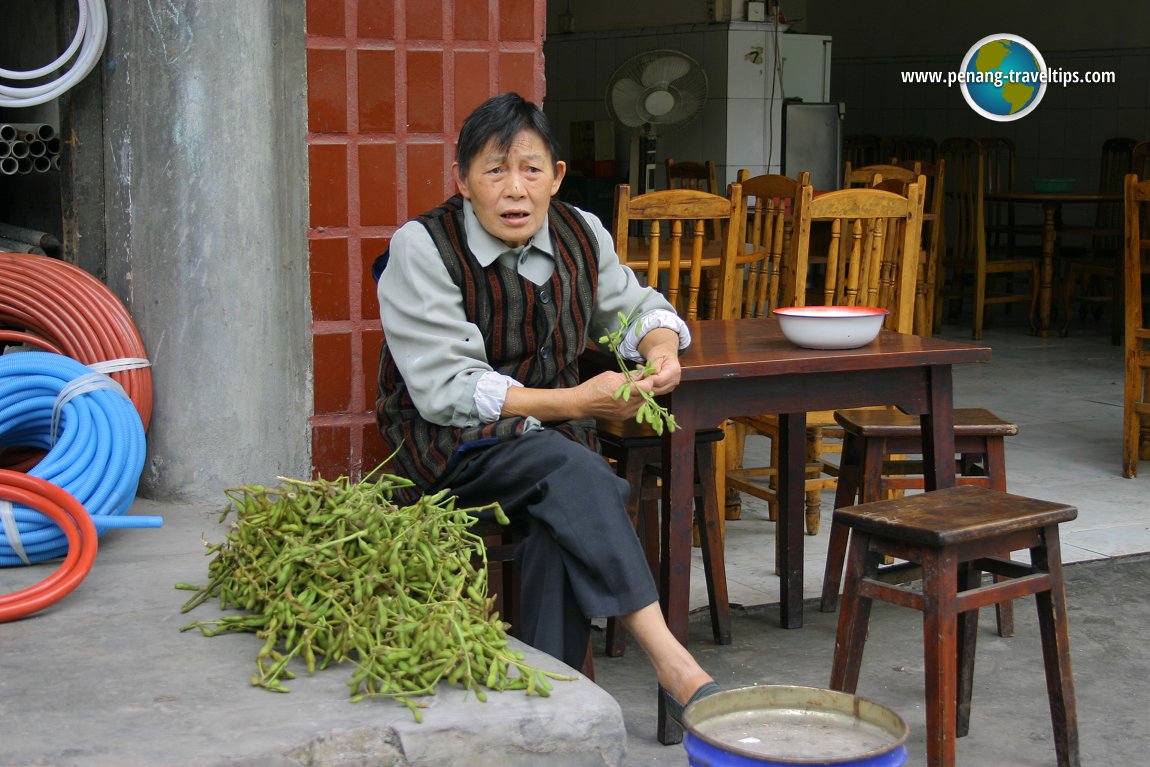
(767, 73)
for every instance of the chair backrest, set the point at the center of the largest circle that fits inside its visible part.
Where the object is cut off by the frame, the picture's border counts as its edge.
(1137, 258)
(872, 175)
(700, 176)
(965, 237)
(1000, 165)
(871, 254)
(674, 245)
(862, 149)
(1115, 162)
(688, 174)
(1136, 269)
(909, 147)
(1140, 159)
(933, 227)
(770, 201)
(998, 175)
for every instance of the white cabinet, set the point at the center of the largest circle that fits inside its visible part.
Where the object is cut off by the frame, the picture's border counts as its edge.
(764, 69)
(750, 71)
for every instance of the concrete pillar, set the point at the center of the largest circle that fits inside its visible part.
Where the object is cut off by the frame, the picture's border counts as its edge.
(205, 174)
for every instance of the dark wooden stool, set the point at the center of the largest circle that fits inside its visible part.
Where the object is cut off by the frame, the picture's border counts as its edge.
(637, 455)
(956, 534)
(504, 579)
(867, 472)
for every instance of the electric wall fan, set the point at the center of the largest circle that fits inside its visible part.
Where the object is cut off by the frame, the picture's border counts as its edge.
(650, 95)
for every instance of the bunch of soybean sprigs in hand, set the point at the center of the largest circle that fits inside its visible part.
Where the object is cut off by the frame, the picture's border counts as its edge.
(334, 571)
(650, 411)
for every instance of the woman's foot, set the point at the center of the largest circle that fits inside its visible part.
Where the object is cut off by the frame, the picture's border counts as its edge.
(670, 724)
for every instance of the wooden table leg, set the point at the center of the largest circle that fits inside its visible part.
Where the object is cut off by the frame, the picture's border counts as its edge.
(789, 526)
(1046, 281)
(938, 430)
(678, 514)
(675, 563)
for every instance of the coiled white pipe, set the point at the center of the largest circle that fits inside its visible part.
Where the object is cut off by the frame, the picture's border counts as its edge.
(91, 35)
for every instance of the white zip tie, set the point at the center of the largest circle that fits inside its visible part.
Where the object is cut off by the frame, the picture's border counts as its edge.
(11, 530)
(120, 365)
(84, 384)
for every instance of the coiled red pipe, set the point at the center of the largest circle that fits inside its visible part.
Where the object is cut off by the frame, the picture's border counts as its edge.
(63, 509)
(77, 314)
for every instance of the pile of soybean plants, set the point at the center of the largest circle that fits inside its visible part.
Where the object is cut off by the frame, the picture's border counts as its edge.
(333, 571)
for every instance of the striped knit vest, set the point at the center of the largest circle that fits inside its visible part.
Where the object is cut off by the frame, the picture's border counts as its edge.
(532, 333)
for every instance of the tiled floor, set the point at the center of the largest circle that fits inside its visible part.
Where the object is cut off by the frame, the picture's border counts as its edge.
(1065, 394)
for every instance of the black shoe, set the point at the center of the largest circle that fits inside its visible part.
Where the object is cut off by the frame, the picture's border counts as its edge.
(670, 724)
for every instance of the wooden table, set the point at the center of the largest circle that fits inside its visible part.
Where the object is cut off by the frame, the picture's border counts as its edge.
(747, 367)
(1052, 216)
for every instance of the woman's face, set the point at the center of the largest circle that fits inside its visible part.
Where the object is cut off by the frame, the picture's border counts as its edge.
(511, 191)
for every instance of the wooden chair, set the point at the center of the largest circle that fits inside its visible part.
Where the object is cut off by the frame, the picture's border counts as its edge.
(872, 175)
(1140, 159)
(700, 176)
(770, 200)
(1094, 269)
(970, 264)
(998, 175)
(674, 244)
(932, 231)
(899, 148)
(894, 177)
(1136, 268)
(871, 259)
(862, 149)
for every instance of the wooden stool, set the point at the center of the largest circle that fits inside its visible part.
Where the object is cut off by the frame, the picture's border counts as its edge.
(956, 534)
(637, 460)
(505, 580)
(866, 472)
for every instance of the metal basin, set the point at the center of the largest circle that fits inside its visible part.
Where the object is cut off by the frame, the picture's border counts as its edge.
(785, 725)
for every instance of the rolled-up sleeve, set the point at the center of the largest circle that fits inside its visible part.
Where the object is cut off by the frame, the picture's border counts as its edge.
(439, 353)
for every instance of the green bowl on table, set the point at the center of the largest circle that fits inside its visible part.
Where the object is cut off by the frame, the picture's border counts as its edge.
(1054, 185)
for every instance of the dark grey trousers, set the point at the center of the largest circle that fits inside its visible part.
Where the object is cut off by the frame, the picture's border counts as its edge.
(581, 558)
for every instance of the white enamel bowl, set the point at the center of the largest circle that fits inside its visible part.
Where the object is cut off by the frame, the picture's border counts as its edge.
(830, 327)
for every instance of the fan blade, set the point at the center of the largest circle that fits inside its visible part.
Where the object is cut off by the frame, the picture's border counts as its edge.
(626, 98)
(686, 106)
(664, 69)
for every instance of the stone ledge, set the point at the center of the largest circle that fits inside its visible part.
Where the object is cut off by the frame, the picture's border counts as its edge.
(104, 678)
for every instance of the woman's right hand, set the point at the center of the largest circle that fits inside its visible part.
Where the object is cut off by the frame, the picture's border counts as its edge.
(597, 396)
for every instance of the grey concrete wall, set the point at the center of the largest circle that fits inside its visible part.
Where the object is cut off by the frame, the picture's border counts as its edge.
(205, 173)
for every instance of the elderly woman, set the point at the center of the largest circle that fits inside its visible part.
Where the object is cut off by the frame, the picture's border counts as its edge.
(487, 303)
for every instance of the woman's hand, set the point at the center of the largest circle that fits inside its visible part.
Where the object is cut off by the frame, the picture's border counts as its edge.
(660, 348)
(597, 396)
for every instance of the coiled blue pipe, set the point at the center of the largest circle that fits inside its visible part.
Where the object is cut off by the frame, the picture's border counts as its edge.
(97, 457)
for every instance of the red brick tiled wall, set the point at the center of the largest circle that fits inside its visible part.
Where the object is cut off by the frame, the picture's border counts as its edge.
(389, 82)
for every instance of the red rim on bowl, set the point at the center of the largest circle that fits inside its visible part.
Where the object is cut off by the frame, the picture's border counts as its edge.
(831, 311)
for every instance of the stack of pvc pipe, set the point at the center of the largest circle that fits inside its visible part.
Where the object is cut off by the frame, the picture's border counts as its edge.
(20, 239)
(28, 148)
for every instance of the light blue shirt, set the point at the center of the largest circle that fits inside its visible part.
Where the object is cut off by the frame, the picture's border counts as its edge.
(441, 355)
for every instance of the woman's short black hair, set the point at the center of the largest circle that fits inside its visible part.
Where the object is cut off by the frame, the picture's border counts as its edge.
(501, 118)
